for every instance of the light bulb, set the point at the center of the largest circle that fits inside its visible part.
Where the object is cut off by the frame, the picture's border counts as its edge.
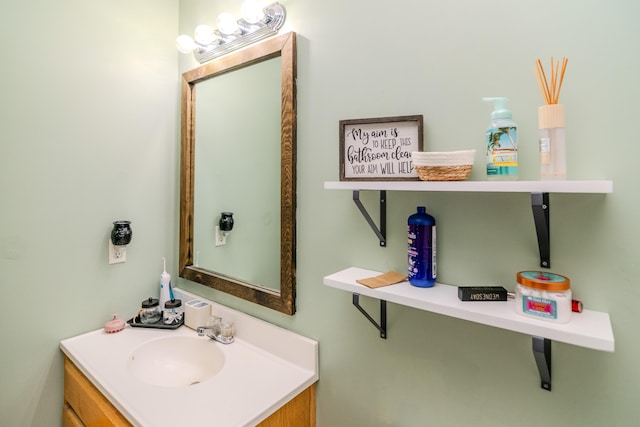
(227, 23)
(185, 44)
(204, 34)
(252, 11)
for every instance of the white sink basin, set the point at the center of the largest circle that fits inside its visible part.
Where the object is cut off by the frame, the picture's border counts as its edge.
(176, 361)
(141, 369)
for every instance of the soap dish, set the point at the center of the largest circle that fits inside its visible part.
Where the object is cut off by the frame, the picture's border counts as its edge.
(135, 322)
(114, 325)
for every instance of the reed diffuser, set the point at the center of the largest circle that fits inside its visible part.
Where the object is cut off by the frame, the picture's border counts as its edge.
(553, 158)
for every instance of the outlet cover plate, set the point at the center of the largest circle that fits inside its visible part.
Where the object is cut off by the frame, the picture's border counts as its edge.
(221, 237)
(117, 254)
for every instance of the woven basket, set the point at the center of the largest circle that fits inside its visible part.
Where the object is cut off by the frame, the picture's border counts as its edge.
(444, 173)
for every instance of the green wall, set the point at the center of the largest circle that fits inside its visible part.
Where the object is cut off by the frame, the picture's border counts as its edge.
(361, 59)
(89, 135)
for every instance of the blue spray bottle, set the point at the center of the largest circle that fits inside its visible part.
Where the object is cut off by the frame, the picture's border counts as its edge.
(421, 230)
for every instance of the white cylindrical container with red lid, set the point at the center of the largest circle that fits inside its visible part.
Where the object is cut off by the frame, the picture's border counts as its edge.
(545, 296)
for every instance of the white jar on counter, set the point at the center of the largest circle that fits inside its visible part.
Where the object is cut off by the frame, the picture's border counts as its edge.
(545, 296)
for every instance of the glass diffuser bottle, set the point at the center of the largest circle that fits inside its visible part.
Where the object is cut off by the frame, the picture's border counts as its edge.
(553, 157)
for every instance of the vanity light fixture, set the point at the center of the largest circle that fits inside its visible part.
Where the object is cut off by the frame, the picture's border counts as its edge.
(257, 23)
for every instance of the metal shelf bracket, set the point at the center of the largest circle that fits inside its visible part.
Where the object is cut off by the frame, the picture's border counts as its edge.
(382, 327)
(542, 354)
(382, 231)
(541, 346)
(540, 208)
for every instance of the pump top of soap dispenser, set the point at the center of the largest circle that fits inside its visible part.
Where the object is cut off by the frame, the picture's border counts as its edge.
(500, 110)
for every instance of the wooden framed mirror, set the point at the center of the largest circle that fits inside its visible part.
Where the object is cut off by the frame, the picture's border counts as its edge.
(281, 298)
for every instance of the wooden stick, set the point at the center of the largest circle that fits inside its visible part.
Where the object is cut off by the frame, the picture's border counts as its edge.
(550, 92)
(556, 89)
(564, 67)
(553, 82)
(536, 71)
(544, 79)
(546, 84)
(539, 77)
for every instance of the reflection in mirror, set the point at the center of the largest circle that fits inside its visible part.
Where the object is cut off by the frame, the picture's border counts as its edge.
(237, 169)
(240, 158)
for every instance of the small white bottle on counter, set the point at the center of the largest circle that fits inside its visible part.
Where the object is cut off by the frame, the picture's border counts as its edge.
(545, 296)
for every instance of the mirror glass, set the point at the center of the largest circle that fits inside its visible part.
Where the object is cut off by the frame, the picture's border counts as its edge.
(238, 156)
(237, 170)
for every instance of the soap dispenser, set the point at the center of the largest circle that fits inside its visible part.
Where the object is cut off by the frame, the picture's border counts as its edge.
(501, 138)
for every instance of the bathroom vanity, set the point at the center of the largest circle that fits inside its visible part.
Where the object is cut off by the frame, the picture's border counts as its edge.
(265, 378)
(84, 405)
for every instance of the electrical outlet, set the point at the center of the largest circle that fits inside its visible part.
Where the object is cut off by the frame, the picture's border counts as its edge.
(221, 237)
(117, 254)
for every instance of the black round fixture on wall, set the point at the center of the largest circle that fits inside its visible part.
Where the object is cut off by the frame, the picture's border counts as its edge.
(226, 221)
(121, 233)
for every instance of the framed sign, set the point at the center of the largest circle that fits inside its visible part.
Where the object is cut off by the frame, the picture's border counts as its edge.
(379, 149)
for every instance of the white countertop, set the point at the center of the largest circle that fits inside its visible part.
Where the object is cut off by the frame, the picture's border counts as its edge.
(264, 368)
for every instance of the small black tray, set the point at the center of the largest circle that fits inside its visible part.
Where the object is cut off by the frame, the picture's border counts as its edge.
(135, 322)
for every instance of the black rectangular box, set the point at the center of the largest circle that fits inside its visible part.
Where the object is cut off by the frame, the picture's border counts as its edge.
(482, 293)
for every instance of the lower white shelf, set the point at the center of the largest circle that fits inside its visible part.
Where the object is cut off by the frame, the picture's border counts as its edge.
(590, 329)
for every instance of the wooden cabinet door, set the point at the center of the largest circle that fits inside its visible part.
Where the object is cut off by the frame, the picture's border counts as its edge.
(86, 401)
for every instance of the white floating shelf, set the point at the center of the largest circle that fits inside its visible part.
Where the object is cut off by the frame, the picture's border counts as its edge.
(596, 187)
(590, 329)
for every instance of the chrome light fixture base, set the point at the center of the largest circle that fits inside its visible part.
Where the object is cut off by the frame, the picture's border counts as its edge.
(274, 17)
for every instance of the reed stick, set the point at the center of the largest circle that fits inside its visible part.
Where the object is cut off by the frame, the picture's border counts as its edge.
(550, 92)
(544, 80)
(564, 67)
(536, 71)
